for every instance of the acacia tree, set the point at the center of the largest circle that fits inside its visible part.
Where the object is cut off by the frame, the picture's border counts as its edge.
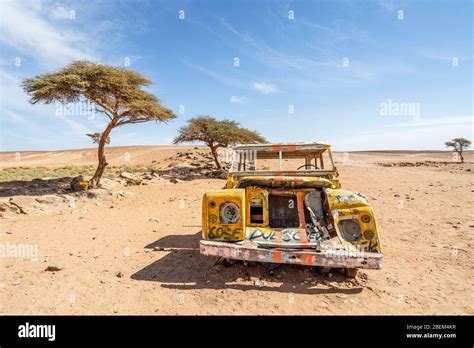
(216, 134)
(115, 92)
(459, 145)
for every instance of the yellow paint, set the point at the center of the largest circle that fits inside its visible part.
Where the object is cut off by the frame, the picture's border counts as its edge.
(261, 194)
(212, 228)
(345, 204)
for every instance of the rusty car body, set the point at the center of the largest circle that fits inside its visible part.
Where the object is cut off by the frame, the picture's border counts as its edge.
(283, 203)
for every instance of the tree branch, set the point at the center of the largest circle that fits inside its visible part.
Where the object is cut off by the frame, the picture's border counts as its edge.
(131, 121)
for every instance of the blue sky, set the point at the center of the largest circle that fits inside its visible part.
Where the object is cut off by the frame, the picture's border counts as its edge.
(360, 75)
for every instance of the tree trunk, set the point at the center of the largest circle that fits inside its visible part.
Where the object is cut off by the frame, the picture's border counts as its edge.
(462, 158)
(95, 180)
(214, 154)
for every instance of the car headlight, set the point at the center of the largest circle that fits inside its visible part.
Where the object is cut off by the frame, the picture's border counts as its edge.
(350, 230)
(230, 213)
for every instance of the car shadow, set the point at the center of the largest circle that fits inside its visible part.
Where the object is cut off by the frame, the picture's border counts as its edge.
(182, 267)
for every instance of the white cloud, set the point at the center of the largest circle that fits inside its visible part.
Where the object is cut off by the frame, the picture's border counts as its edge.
(60, 12)
(15, 107)
(238, 100)
(265, 88)
(18, 119)
(429, 135)
(443, 57)
(387, 5)
(424, 122)
(218, 77)
(24, 28)
(330, 65)
(268, 55)
(76, 127)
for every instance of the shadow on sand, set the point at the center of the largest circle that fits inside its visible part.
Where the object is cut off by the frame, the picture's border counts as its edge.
(184, 268)
(35, 187)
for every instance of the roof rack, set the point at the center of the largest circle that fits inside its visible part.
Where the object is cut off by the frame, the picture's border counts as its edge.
(284, 147)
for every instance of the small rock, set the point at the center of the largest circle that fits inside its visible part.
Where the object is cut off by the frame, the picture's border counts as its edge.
(119, 274)
(154, 220)
(98, 193)
(106, 183)
(147, 176)
(126, 175)
(122, 193)
(54, 268)
(23, 204)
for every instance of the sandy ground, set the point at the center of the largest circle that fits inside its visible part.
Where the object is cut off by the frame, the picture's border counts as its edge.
(425, 213)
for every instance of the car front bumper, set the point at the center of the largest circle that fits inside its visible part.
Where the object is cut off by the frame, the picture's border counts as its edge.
(249, 251)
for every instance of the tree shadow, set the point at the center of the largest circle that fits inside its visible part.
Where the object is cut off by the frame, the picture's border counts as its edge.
(184, 268)
(35, 187)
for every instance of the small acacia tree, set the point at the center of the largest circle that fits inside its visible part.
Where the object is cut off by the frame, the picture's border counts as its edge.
(216, 134)
(115, 92)
(459, 145)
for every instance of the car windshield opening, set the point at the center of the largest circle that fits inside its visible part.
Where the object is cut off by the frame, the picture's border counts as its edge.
(248, 161)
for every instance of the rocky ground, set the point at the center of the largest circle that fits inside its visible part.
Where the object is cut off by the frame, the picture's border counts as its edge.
(39, 196)
(131, 247)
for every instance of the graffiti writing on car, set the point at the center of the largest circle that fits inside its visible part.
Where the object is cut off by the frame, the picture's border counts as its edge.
(370, 246)
(287, 235)
(224, 232)
(290, 235)
(259, 234)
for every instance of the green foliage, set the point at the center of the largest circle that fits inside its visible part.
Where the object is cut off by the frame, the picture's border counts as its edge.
(117, 92)
(215, 133)
(29, 173)
(459, 145)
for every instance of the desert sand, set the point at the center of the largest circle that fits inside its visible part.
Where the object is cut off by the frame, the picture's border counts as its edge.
(139, 254)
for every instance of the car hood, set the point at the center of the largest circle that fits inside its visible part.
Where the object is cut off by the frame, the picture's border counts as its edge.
(284, 182)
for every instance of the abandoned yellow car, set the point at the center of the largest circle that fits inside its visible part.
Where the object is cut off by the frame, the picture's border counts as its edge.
(283, 203)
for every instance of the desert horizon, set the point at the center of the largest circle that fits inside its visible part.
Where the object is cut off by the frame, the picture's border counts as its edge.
(200, 145)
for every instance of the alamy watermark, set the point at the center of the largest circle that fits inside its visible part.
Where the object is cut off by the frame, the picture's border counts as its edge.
(20, 251)
(395, 108)
(83, 108)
